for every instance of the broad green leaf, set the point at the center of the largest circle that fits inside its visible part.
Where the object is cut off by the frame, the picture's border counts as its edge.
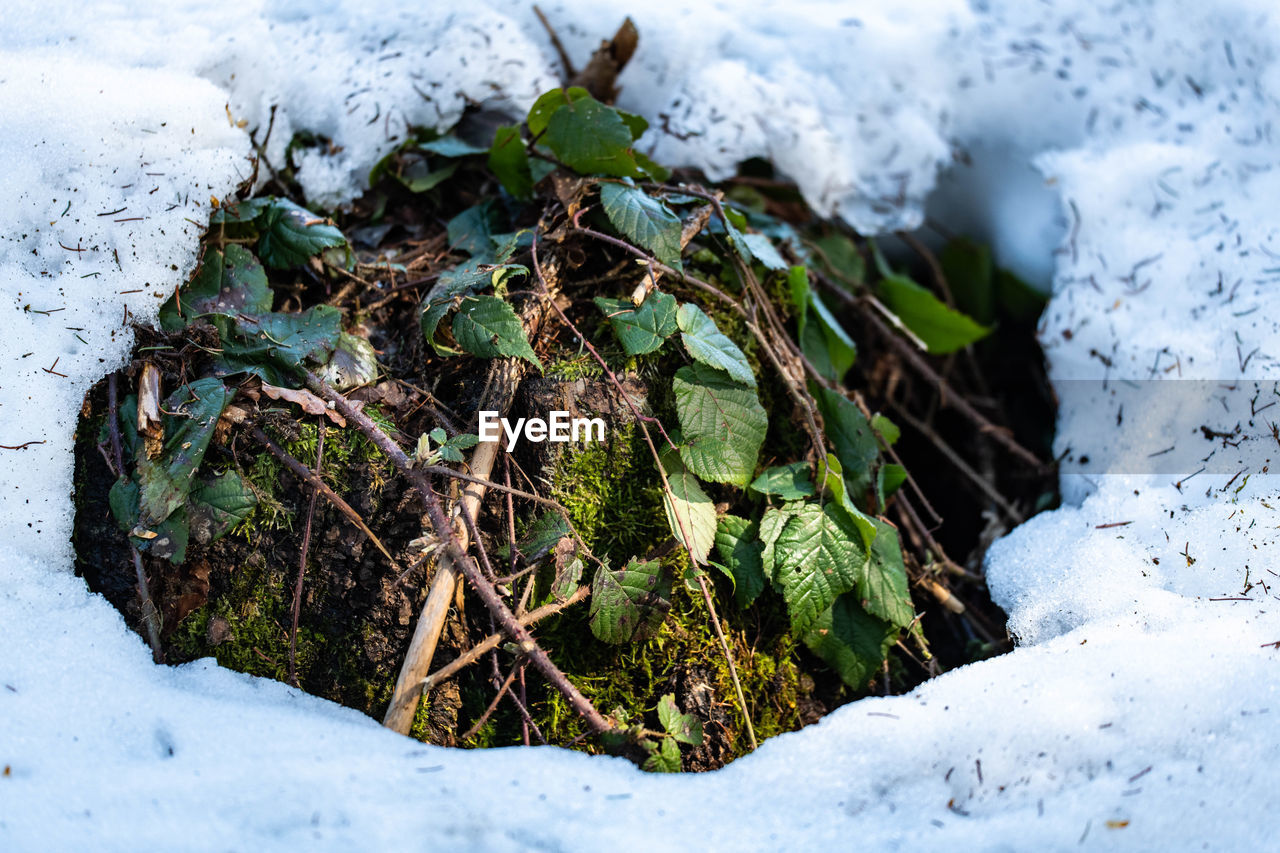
(707, 344)
(463, 280)
(542, 535)
(819, 556)
(883, 589)
(723, 424)
(840, 258)
(685, 728)
(942, 329)
(488, 327)
(418, 176)
(851, 641)
(123, 501)
(889, 479)
(292, 235)
(663, 757)
(166, 481)
(738, 544)
(591, 138)
(788, 482)
(629, 603)
(241, 213)
(472, 230)
(772, 524)
(643, 220)
(509, 162)
(970, 277)
(228, 282)
(832, 478)
(854, 441)
(218, 504)
(641, 329)
(822, 340)
(274, 346)
(763, 250)
(546, 105)
(688, 508)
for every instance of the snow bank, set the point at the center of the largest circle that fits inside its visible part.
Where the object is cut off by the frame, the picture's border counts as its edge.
(1136, 712)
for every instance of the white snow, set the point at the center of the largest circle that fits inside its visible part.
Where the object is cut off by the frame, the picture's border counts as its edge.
(1137, 711)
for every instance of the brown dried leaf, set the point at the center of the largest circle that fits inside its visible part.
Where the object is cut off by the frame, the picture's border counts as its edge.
(310, 403)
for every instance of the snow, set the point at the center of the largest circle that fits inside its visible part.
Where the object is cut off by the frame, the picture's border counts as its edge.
(1129, 144)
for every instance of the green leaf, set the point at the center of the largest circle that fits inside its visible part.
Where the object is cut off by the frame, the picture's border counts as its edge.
(970, 276)
(788, 482)
(228, 282)
(509, 162)
(472, 230)
(738, 544)
(123, 501)
(685, 728)
(840, 258)
(772, 523)
(663, 757)
(274, 346)
(170, 541)
(546, 105)
(763, 250)
(887, 429)
(832, 479)
(417, 176)
(707, 344)
(853, 439)
(488, 327)
(629, 603)
(688, 508)
(821, 337)
(542, 535)
(451, 146)
(218, 504)
(644, 221)
(352, 364)
(819, 556)
(942, 329)
(883, 589)
(641, 329)
(589, 137)
(851, 641)
(463, 280)
(890, 478)
(166, 481)
(723, 424)
(291, 235)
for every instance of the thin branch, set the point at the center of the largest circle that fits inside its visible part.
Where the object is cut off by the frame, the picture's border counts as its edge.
(302, 560)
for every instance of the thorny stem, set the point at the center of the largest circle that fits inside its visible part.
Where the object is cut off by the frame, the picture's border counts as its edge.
(444, 531)
(666, 485)
(302, 561)
(149, 614)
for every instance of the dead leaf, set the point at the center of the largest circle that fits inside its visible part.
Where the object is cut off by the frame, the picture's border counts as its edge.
(310, 403)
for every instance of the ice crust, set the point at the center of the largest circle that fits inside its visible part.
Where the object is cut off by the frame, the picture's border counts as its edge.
(1124, 150)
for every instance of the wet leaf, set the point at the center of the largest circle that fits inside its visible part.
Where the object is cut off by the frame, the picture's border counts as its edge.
(218, 504)
(353, 363)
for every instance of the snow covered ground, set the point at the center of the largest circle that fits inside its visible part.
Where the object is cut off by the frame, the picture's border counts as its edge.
(1125, 150)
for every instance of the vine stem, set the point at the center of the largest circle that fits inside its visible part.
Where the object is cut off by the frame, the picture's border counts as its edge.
(666, 486)
(302, 559)
(444, 531)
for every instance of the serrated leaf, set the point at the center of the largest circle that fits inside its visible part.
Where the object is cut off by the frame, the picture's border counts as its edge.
(488, 327)
(772, 524)
(568, 567)
(218, 504)
(274, 346)
(546, 105)
(472, 230)
(788, 482)
(629, 603)
(851, 641)
(723, 424)
(291, 235)
(542, 535)
(943, 329)
(738, 544)
(463, 280)
(166, 481)
(832, 479)
(509, 162)
(853, 439)
(688, 508)
(643, 220)
(641, 329)
(707, 344)
(684, 728)
(587, 136)
(664, 757)
(883, 588)
(230, 281)
(819, 556)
